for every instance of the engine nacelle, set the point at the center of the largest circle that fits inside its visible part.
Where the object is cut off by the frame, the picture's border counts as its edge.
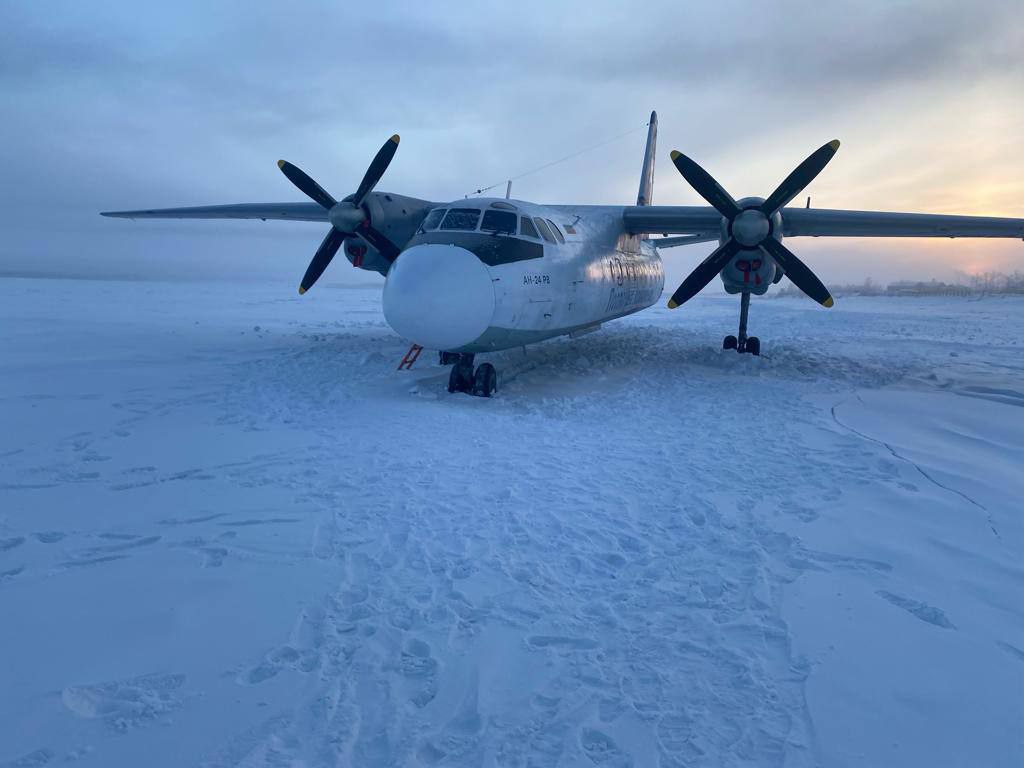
(752, 269)
(396, 217)
(361, 254)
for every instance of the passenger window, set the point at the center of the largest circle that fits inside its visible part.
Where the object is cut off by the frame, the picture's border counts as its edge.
(526, 228)
(554, 228)
(499, 221)
(461, 218)
(432, 220)
(543, 228)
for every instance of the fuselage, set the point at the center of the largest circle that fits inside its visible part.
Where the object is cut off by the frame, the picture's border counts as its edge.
(488, 274)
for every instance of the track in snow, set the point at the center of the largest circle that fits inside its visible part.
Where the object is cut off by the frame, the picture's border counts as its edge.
(231, 533)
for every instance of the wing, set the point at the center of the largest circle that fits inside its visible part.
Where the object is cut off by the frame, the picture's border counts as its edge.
(706, 222)
(822, 222)
(700, 220)
(279, 211)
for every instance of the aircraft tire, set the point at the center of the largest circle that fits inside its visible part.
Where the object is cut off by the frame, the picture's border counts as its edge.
(485, 381)
(456, 381)
(754, 345)
(729, 342)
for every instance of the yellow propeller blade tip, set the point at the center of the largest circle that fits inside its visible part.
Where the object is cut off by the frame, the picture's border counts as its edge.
(396, 138)
(827, 302)
(672, 304)
(280, 163)
(674, 154)
(834, 144)
(301, 290)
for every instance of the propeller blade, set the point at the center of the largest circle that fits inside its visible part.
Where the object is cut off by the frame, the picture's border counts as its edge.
(384, 246)
(798, 272)
(704, 273)
(321, 259)
(706, 186)
(310, 188)
(377, 168)
(804, 174)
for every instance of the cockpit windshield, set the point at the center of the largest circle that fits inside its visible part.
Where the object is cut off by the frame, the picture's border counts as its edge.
(462, 219)
(432, 220)
(499, 222)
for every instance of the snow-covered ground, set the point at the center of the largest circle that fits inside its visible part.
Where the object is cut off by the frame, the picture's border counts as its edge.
(231, 533)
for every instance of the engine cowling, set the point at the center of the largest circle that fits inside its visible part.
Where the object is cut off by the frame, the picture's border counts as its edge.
(361, 254)
(751, 269)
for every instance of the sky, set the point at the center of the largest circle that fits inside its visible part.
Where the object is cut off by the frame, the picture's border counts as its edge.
(119, 105)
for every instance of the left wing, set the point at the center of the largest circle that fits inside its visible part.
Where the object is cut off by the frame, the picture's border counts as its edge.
(279, 211)
(706, 222)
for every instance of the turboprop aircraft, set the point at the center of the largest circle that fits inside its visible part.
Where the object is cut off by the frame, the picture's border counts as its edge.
(485, 274)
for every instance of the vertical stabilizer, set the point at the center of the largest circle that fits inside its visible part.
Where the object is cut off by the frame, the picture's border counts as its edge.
(647, 175)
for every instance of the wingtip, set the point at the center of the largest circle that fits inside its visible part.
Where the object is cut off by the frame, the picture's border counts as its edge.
(396, 138)
(834, 144)
(827, 303)
(281, 164)
(301, 290)
(672, 304)
(674, 154)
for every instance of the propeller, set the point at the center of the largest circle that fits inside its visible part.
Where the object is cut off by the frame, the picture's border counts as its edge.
(348, 217)
(752, 227)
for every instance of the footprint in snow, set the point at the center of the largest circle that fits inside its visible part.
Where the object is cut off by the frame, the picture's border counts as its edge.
(602, 749)
(277, 660)
(11, 543)
(125, 704)
(48, 537)
(922, 611)
(35, 759)
(419, 667)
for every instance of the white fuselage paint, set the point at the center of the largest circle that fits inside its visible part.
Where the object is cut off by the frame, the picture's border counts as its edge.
(598, 274)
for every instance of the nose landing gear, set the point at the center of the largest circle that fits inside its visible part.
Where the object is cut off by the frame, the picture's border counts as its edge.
(743, 343)
(483, 382)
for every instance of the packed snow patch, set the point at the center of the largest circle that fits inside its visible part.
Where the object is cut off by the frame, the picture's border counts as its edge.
(231, 533)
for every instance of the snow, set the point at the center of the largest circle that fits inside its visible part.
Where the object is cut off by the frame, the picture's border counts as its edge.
(232, 533)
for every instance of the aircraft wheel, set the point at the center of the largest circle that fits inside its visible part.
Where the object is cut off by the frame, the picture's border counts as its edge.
(485, 381)
(458, 381)
(754, 345)
(729, 342)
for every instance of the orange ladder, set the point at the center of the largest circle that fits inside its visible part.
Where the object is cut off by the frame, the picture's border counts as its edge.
(410, 357)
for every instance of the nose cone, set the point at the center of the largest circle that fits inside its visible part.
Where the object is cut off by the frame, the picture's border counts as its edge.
(439, 296)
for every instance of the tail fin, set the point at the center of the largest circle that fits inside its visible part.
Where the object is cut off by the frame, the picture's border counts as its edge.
(647, 174)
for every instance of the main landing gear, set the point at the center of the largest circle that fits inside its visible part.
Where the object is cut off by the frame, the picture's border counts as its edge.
(483, 382)
(743, 343)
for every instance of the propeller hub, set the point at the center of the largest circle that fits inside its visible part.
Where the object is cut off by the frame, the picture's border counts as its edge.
(750, 227)
(346, 217)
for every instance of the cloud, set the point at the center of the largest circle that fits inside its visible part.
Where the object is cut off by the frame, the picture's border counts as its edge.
(113, 105)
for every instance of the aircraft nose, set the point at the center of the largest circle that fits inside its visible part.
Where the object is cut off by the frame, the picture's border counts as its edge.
(439, 296)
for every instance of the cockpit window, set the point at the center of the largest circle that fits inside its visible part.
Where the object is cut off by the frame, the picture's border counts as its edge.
(461, 218)
(499, 221)
(555, 230)
(544, 231)
(527, 229)
(432, 220)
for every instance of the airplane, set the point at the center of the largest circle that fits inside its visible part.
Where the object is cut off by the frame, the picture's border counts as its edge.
(486, 274)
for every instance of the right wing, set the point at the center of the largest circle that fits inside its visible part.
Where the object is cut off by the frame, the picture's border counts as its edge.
(279, 211)
(706, 222)
(824, 222)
